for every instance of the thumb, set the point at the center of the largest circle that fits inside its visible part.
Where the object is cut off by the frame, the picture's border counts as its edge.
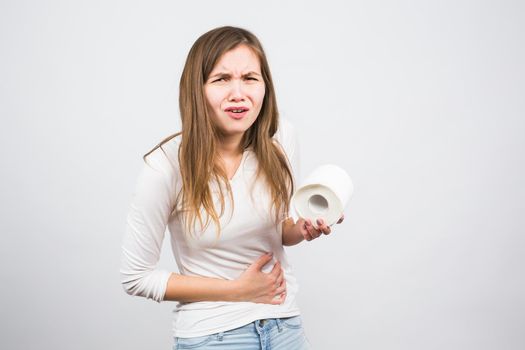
(263, 260)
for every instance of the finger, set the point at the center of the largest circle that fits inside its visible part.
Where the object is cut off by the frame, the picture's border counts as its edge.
(310, 225)
(324, 228)
(279, 279)
(314, 233)
(278, 300)
(281, 289)
(280, 296)
(305, 233)
(307, 236)
(276, 269)
(263, 260)
(283, 297)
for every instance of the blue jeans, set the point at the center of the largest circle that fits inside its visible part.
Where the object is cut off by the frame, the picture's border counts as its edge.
(268, 334)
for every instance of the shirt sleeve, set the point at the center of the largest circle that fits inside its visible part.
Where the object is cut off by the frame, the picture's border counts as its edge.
(287, 137)
(146, 224)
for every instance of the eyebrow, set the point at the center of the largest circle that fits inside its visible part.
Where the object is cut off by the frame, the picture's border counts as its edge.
(227, 74)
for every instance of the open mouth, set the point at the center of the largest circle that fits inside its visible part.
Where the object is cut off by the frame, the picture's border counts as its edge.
(236, 110)
(237, 113)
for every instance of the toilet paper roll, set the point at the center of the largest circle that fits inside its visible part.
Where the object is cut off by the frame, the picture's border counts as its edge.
(323, 194)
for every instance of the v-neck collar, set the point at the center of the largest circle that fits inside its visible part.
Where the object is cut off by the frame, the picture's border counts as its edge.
(238, 171)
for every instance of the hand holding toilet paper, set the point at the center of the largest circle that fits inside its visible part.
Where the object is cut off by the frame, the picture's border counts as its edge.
(323, 194)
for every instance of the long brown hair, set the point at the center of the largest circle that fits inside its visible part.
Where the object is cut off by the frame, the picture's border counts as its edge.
(197, 152)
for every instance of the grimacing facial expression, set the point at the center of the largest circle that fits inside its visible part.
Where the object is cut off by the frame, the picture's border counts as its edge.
(235, 90)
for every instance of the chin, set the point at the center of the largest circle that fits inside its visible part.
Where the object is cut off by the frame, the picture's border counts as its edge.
(235, 131)
(237, 126)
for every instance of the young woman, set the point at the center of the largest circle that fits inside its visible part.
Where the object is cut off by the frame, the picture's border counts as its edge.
(222, 186)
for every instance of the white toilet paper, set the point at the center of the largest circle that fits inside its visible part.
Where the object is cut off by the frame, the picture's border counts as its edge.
(323, 194)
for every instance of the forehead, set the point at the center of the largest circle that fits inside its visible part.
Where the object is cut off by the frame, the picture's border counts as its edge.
(239, 59)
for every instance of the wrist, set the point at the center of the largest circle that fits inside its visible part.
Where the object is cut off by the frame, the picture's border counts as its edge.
(291, 233)
(236, 288)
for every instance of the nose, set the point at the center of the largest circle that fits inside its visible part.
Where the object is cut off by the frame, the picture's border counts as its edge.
(236, 91)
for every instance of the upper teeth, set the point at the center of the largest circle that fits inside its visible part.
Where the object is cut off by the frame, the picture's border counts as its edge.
(237, 110)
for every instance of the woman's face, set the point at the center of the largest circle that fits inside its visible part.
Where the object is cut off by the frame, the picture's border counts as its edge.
(235, 90)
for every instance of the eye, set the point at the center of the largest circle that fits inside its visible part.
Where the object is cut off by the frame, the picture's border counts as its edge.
(252, 78)
(220, 79)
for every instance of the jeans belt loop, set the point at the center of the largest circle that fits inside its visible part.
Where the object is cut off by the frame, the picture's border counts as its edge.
(279, 324)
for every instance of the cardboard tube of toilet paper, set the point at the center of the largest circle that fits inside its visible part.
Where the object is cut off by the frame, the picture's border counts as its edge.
(323, 194)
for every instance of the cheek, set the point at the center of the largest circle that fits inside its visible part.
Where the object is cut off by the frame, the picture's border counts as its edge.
(214, 98)
(259, 95)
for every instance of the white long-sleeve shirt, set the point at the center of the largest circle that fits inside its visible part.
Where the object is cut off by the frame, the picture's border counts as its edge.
(246, 234)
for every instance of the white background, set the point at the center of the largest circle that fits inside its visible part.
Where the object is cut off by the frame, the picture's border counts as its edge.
(422, 102)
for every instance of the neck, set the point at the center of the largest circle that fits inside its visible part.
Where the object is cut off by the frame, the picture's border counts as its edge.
(230, 146)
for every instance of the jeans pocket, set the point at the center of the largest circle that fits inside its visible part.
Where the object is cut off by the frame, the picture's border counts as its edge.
(292, 322)
(192, 343)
